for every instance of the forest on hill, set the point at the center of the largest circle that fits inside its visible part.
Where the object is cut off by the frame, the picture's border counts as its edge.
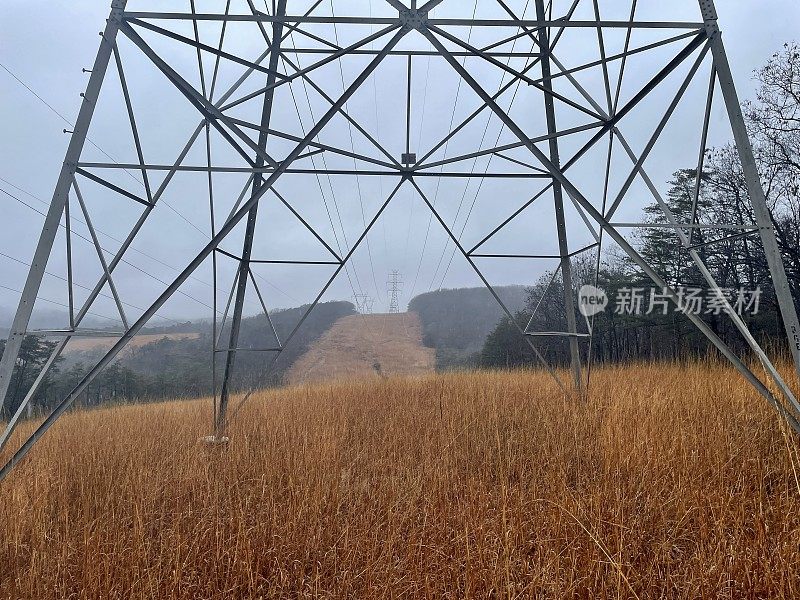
(174, 368)
(456, 322)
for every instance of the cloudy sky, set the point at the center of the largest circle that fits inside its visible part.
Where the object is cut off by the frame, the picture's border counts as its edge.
(46, 44)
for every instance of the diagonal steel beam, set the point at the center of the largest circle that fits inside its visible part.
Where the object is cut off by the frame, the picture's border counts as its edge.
(488, 285)
(111, 186)
(204, 47)
(707, 275)
(306, 224)
(264, 308)
(752, 177)
(134, 130)
(344, 113)
(608, 126)
(324, 289)
(510, 146)
(100, 254)
(306, 70)
(318, 145)
(119, 256)
(212, 114)
(657, 133)
(516, 75)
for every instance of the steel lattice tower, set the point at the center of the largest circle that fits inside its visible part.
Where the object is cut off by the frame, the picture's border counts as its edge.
(562, 125)
(393, 286)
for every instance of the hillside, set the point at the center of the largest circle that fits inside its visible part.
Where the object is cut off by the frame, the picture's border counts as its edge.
(365, 346)
(456, 322)
(96, 345)
(163, 365)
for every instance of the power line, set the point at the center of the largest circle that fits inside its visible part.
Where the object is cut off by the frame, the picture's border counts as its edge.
(112, 159)
(83, 287)
(317, 176)
(488, 162)
(355, 164)
(444, 153)
(93, 143)
(85, 239)
(100, 231)
(43, 299)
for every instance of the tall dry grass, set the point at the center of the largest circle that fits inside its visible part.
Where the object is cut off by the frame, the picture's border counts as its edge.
(669, 482)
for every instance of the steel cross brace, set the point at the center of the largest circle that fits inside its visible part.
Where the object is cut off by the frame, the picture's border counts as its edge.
(58, 350)
(753, 179)
(612, 231)
(60, 195)
(119, 256)
(558, 200)
(556, 171)
(199, 258)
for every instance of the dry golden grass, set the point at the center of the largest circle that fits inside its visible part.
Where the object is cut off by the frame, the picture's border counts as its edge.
(669, 482)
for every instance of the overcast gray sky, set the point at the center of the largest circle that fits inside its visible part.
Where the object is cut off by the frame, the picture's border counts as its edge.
(45, 44)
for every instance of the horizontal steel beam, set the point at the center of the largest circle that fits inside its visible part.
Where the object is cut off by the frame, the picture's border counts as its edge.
(229, 350)
(729, 238)
(75, 333)
(407, 53)
(350, 20)
(557, 334)
(535, 256)
(684, 226)
(392, 173)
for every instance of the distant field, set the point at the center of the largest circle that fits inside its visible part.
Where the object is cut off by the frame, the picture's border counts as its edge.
(364, 346)
(669, 481)
(81, 344)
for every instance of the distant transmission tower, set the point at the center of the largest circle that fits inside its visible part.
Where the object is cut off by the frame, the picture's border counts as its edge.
(394, 286)
(364, 303)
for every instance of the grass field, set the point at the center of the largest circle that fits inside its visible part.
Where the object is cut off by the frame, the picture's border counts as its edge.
(670, 481)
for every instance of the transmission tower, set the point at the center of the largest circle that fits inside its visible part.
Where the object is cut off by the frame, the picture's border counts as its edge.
(364, 303)
(394, 286)
(556, 119)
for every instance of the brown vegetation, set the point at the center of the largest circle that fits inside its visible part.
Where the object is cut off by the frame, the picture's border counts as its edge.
(669, 482)
(366, 346)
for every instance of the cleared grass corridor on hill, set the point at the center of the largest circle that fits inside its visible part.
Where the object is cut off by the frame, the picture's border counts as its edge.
(683, 485)
(364, 346)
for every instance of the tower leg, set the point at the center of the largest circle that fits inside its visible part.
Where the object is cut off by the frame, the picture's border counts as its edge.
(45, 245)
(244, 264)
(761, 211)
(558, 196)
